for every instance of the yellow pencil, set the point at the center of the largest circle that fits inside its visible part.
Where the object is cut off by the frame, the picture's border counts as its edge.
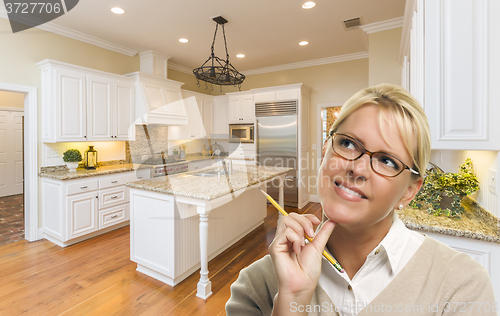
(325, 254)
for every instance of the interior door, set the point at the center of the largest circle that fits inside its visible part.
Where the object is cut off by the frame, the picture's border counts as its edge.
(11, 153)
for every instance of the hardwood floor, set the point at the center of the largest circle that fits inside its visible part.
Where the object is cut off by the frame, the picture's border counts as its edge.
(11, 219)
(96, 277)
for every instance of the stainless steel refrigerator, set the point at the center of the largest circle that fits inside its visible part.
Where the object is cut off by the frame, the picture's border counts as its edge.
(276, 144)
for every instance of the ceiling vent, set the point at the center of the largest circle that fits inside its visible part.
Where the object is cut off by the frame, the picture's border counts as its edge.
(352, 23)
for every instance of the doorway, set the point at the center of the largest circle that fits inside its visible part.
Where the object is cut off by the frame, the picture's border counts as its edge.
(30, 164)
(11, 167)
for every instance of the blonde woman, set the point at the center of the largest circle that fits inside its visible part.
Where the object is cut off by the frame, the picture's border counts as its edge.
(374, 160)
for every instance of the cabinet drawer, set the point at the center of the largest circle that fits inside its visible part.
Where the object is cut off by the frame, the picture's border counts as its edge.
(112, 181)
(113, 215)
(112, 197)
(81, 187)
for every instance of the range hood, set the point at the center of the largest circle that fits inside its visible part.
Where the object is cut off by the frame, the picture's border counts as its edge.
(158, 100)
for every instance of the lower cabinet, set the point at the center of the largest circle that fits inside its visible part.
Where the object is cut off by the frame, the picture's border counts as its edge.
(78, 209)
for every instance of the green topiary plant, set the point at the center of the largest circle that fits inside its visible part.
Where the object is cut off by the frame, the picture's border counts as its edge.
(72, 155)
(440, 187)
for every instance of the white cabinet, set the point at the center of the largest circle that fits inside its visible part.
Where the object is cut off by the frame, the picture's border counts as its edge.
(194, 129)
(221, 118)
(80, 104)
(242, 151)
(241, 108)
(64, 115)
(82, 214)
(452, 70)
(200, 113)
(74, 210)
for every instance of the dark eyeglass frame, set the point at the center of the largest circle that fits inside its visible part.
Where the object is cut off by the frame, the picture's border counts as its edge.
(369, 153)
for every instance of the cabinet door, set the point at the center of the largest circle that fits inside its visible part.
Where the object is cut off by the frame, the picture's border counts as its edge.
(124, 110)
(457, 76)
(99, 108)
(194, 129)
(234, 106)
(221, 119)
(70, 106)
(82, 217)
(208, 117)
(247, 112)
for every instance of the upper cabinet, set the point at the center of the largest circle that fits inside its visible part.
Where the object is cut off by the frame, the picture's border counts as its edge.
(80, 104)
(158, 100)
(449, 66)
(199, 108)
(241, 107)
(221, 117)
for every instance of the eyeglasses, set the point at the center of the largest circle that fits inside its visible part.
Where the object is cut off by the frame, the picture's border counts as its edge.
(351, 149)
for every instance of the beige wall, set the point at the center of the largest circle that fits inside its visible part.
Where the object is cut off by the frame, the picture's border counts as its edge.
(11, 100)
(384, 57)
(189, 81)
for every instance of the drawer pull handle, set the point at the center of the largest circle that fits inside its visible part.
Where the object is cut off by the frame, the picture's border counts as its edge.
(114, 216)
(139, 177)
(83, 187)
(114, 181)
(114, 197)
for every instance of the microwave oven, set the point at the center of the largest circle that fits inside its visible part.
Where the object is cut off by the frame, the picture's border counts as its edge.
(241, 133)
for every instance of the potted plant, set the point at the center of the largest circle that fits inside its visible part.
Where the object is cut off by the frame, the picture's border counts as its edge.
(72, 157)
(442, 192)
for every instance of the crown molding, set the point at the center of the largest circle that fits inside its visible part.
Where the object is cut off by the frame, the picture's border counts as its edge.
(79, 36)
(180, 68)
(383, 25)
(308, 63)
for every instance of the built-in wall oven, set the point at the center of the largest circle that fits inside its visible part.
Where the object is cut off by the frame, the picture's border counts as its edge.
(241, 133)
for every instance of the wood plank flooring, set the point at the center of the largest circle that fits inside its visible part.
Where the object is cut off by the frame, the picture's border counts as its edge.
(96, 277)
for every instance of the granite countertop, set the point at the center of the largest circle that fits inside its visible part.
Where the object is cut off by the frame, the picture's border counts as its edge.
(209, 188)
(475, 222)
(65, 174)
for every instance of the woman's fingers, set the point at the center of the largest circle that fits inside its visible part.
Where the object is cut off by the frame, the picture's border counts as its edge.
(301, 224)
(288, 236)
(323, 235)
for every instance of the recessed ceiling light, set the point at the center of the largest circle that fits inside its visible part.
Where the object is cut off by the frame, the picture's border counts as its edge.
(303, 43)
(240, 55)
(309, 5)
(183, 40)
(117, 10)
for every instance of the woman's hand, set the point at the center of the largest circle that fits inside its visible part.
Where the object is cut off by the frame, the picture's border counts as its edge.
(297, 264)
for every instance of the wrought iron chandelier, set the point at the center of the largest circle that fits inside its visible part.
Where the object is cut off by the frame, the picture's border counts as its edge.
(216, 70)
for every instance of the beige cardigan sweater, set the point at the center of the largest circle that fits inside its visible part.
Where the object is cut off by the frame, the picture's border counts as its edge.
(436, 275)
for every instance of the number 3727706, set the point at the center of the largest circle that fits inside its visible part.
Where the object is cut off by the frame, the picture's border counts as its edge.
(33, 8)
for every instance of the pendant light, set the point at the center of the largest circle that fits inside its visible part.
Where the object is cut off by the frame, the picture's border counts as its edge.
(216, 70)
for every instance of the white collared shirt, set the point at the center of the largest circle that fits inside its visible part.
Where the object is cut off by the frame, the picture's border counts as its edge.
(379, 269)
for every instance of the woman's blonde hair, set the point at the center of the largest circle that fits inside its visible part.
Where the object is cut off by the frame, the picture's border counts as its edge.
(405, 115)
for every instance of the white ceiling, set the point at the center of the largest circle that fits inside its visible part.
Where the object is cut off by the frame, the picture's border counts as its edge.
(266, 31)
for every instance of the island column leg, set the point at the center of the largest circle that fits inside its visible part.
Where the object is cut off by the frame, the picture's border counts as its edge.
(204, 285)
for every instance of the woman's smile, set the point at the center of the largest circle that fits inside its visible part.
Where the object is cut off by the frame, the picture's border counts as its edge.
(349, 193)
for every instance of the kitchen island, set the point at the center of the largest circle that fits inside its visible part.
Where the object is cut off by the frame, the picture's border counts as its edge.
(170, 235)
